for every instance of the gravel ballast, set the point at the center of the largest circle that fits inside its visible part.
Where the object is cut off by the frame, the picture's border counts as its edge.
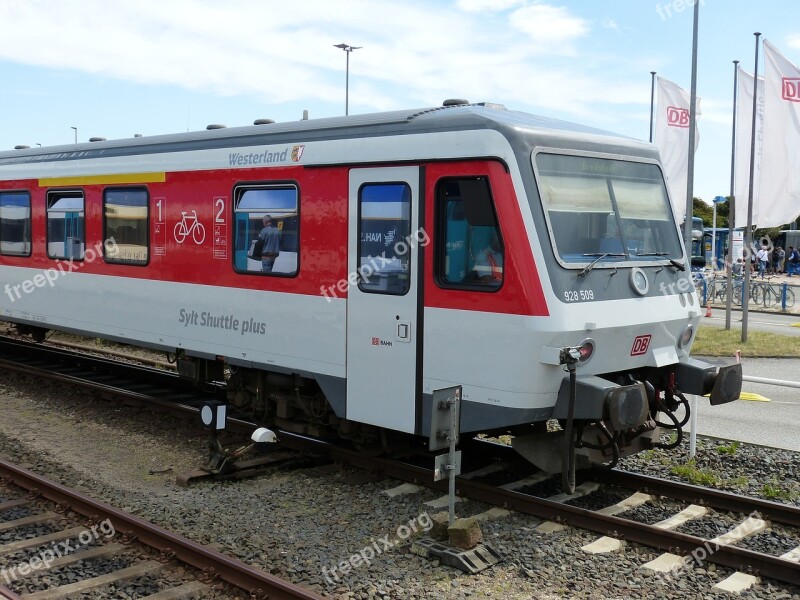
(302, 524)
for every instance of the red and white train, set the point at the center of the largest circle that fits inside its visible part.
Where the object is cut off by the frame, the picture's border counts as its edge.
(421, 249)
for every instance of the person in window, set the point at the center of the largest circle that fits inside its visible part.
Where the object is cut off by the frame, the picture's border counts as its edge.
(271, 236)
(488, 267)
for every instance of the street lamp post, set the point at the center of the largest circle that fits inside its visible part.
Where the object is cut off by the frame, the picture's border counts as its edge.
(75, 129)
(348, 49)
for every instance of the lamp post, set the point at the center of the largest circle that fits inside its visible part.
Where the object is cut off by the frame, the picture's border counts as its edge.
(348, 49)
(76, 134)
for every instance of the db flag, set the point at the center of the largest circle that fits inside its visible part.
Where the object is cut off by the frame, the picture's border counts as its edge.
(671, 135)
(779, 190)
(745, 88)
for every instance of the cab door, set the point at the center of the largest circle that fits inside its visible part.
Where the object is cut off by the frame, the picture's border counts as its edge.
(382, 302)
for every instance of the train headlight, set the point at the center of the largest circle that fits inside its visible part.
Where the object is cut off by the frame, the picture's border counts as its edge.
(639, 281)
(585, 350)
(686, 336)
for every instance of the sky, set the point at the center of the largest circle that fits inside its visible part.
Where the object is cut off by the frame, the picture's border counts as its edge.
(115, 68)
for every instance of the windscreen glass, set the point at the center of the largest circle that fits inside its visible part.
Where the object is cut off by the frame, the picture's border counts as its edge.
(614, 209)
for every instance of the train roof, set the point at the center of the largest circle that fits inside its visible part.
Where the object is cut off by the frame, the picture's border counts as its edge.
(463, 116)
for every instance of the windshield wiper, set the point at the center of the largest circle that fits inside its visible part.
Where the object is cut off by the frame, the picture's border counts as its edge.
(678, 265)
(595, 261)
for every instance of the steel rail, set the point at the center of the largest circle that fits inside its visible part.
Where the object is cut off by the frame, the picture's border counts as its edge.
(766, 509)
(254, 581)
(7, 594)
(23, 347)
(100, 366)
(83, 348)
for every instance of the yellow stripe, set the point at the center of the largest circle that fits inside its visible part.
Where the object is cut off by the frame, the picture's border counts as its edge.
(103, 179)
(795, 325)
(751, 396)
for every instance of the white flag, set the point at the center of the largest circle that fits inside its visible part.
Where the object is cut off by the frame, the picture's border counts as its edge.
(672, 138)
(779, 192)
(744, 129)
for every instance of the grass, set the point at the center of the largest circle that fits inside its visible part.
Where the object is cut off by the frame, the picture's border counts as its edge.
(694, 475)
(715, 341)
(741, 482)
(774, 491)
(730, 450)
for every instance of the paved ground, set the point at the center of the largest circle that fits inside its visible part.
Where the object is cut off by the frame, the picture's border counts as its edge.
(774, 423)
(785, 324)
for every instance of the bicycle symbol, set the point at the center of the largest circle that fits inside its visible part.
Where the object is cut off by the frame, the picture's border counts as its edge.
(183, 229)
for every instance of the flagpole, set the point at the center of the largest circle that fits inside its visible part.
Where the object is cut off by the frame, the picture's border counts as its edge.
(687, 225)
(731, 202)
(748, 232)
(652, 100)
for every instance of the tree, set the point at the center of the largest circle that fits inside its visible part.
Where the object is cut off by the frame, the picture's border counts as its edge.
(706, 212)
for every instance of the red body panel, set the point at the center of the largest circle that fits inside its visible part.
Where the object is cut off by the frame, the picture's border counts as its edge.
(323, 211)
(521, 292)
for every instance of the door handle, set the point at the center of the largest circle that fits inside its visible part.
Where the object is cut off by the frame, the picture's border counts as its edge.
(404, 331)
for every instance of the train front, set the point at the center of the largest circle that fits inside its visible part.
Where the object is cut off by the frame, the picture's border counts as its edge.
(625, 311)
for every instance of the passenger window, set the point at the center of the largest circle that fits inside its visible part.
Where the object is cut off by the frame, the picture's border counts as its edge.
(65, 225)
(266, 229)
(127, 226)
(15, 223)
(384, 221)
(470, 252)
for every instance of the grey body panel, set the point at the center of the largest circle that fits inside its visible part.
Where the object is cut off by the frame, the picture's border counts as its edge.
(477, 417)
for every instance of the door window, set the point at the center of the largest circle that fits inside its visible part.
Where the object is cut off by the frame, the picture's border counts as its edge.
(384, 265)
(65, 224)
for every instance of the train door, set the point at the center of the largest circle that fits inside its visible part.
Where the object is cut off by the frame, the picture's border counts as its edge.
(382, 297)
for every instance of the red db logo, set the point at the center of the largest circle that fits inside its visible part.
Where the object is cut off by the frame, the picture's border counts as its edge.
(640, 345)
(677, 117)
(376, 341)
(791, 89)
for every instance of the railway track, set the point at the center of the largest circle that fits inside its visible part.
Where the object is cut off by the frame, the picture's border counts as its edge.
(754, 514)
(71, 542)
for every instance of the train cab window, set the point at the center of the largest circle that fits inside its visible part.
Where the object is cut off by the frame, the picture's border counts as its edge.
(15, 223)
(606, 210)
(469, 252)
(266, 229)
(384, 219)
(65, 225)
(127, 226)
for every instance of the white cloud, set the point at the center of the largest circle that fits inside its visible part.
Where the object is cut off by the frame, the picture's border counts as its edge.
(609, 23)
(794, 40)
(487, 5)
(548, 25)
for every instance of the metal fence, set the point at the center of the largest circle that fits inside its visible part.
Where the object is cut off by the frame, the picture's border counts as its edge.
(766, 293)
